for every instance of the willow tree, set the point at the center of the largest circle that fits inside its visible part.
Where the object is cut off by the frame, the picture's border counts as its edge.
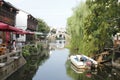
(76, 28)
(92, 25)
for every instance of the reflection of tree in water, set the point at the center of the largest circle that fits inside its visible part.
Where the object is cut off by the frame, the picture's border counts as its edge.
(29, 69)
(102, 73)
(108, 73)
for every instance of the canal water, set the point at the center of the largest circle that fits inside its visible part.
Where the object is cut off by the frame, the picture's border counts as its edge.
(53, 64)
(54, 68)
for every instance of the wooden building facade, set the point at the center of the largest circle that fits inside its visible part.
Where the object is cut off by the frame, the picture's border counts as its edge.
(8, 17)
(7, 13)
(32, 25)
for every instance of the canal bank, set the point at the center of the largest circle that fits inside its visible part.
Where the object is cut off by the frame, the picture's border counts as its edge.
(32, 54)
(11, 62)
(28, 71)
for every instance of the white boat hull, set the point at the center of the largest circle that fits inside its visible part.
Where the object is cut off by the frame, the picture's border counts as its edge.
(75, 60)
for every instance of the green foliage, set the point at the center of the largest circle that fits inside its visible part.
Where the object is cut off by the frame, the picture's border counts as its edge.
(25, 50)
(42, 26)
(92, 25)
(39, 46)
(53, 31)
(33, 49)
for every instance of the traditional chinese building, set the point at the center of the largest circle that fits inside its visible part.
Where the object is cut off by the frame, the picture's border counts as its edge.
(32, 25)
(10, 60)
(7, 20)
(28, 23)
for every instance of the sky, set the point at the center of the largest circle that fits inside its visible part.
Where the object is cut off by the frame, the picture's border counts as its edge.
(53, 12)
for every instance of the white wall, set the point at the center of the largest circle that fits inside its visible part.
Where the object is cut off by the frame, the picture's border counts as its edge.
(21, 22)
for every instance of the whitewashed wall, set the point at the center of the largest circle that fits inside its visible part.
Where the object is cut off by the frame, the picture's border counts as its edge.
(21, 22)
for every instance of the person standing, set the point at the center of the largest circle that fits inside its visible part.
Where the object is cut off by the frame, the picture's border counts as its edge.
(14, 45)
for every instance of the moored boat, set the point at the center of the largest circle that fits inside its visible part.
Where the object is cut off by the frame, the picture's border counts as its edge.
(82, 61)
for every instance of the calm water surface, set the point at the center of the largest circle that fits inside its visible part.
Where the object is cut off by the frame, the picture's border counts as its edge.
(54, 68)
(53, 65)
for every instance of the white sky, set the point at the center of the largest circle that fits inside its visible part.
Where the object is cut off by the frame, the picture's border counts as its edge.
(53, 12)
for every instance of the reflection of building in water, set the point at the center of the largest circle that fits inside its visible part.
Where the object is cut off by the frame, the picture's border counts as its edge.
(50, 52)
(52, 46)
(60, 43)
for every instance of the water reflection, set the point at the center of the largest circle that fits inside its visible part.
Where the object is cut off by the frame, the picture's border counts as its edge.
(102, 73)
(29, 70)
(58, 44)
(57, 67)
(54, 68)
(76, 70)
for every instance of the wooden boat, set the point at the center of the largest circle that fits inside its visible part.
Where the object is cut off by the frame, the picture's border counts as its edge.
(82, 61)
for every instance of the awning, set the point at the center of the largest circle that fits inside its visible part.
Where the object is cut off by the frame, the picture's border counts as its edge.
(29, 32)
(8, 28)
(38, 33)
(23, 32)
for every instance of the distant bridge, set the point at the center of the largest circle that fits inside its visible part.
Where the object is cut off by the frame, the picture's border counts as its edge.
(58, 36)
